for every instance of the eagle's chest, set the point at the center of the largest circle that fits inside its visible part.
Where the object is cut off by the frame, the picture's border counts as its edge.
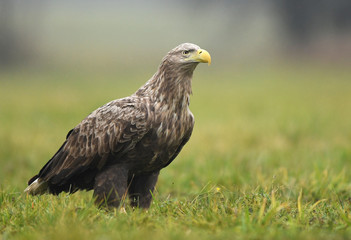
(171, 127)
(163, 142)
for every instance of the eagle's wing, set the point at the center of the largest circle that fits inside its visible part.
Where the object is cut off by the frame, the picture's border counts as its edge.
(103, 136)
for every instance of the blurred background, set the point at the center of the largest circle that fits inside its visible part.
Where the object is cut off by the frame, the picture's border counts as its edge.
(124, 33)
(275, 102)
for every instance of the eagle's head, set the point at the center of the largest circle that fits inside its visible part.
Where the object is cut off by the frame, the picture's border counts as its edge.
(174, 74)
(187, 55)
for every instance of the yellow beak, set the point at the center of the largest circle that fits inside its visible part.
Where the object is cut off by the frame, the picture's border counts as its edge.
(202, 56)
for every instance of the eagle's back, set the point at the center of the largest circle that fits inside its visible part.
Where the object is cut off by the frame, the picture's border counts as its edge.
(100, 139)
(136, 132)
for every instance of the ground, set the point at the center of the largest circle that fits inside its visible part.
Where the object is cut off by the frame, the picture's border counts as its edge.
(269, 157)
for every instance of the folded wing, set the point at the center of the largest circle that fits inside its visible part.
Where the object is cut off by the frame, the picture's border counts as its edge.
(101, 138)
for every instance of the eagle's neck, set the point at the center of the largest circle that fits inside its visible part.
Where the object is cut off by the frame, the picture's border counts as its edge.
(170, 85)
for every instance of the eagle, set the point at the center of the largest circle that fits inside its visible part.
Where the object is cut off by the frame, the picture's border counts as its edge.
(119, 149)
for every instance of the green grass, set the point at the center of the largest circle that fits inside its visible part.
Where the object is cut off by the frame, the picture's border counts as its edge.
(270, 156)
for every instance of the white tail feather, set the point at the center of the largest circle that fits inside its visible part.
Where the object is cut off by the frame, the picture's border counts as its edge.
(37, 187)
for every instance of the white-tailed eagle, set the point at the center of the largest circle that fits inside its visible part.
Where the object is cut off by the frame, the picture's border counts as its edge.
(120, 148)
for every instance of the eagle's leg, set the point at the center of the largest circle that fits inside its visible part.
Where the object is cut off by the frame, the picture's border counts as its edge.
(141, 188)
(110, 186)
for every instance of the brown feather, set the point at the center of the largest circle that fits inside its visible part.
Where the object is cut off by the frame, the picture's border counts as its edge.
(140, 134)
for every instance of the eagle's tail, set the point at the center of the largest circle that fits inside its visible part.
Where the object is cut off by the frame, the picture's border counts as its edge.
(37, 187)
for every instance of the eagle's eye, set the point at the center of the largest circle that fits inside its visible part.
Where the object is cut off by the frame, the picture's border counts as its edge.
(186, 52)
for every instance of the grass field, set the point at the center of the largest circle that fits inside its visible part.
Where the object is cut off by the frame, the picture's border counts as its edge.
(270, 156)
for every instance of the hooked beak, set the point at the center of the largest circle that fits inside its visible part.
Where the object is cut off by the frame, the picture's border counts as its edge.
(202, 56)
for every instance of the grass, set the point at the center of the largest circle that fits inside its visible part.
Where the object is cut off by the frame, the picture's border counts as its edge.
(269, 157)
